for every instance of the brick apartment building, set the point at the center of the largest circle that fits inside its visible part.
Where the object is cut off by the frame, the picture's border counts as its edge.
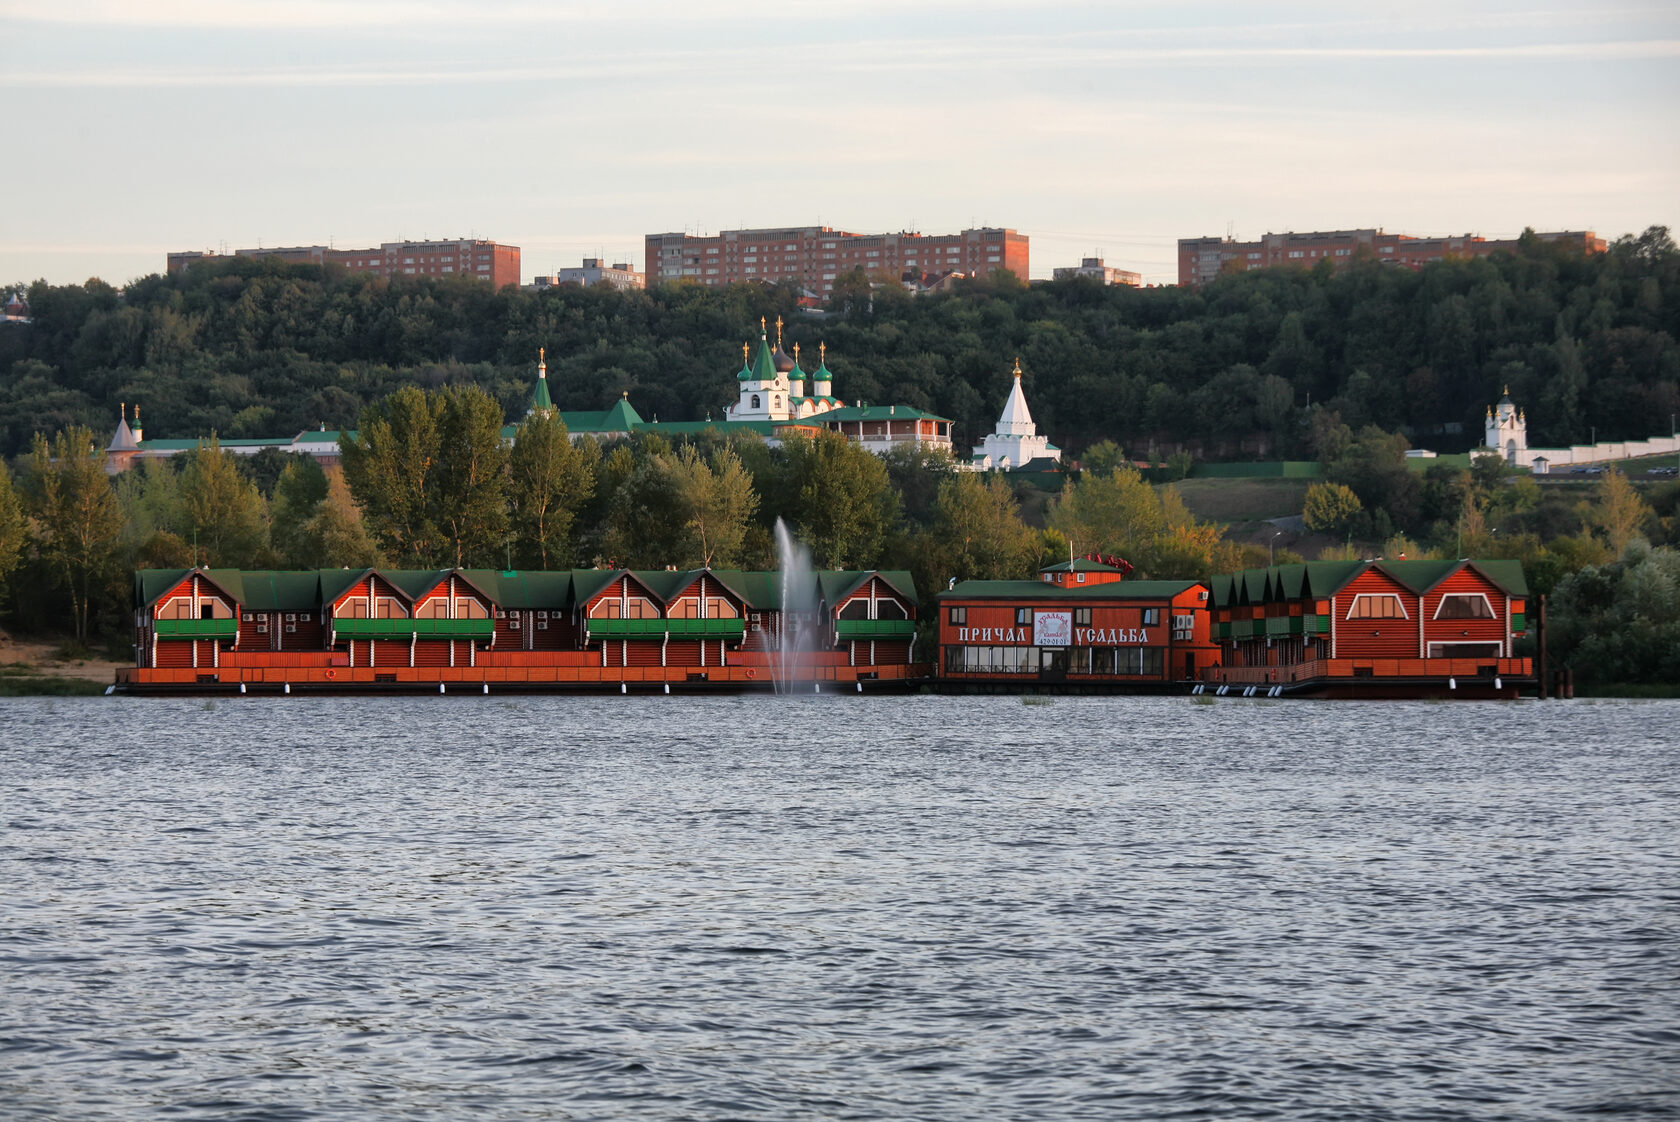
(814, 255)
(1202, 259)
(485, 260)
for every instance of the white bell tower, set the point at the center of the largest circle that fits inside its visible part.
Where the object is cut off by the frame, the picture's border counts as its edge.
(1507, 429)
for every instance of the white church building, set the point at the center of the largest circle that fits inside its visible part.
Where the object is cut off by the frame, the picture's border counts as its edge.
(1506, 435)
(1016, 445)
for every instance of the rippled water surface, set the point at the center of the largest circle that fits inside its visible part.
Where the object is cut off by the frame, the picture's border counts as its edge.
(849, 908)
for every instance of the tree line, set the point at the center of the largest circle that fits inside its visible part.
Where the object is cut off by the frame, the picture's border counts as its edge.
(1240, 368)
(429, 481)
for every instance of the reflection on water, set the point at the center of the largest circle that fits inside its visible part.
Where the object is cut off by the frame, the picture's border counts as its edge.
(762, 908)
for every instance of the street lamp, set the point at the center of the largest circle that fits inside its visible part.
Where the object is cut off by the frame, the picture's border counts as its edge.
(1272, 542)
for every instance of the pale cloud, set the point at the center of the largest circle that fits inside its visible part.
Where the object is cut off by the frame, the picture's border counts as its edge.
(885, 60)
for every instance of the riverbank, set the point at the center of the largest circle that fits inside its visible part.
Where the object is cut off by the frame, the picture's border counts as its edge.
(52, 667)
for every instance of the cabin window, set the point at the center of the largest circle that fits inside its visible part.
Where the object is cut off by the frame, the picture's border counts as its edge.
(1082, 617)
(1152, 617)
(719, 608)
(468, 608)
(958, 616)
(1079, 578)
(627, 607)
(890, 609)
(1023, 617)
(686, 608)
(855, 609)
(1377, 605)
(435, 608)
(1465, 605)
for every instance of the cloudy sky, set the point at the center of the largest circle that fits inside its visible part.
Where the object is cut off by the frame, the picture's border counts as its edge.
(573, 127)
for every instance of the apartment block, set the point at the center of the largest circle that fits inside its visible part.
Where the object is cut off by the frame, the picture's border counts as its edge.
(620, 275)
(484, 260)
(1093, 268)
(813, 256)
(1202, 259)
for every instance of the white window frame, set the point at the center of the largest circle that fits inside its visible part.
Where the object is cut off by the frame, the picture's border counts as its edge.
(1354, 603)
(1492, 615)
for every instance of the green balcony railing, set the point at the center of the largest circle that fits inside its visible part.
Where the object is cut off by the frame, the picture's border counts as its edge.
(196, 628)
(849, 629)
(1283, 625)
(725, 628)
(414, 628)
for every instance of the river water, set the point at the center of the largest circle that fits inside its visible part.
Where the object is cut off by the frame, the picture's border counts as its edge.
(838, 908)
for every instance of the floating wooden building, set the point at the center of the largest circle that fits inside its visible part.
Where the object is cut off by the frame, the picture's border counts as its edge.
(1080, 626)
(374, 629)
(1372, 629)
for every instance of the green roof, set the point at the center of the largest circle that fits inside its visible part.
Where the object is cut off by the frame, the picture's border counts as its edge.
(878, 413)
(307, 590)
(1319, 579)
(540, 398)
(764, 364)
(1038, 589)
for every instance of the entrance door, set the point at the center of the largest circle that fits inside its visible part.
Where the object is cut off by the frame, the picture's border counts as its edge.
(1052, 664)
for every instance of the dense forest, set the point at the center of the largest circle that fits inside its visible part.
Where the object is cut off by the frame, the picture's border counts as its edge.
(1586, 343)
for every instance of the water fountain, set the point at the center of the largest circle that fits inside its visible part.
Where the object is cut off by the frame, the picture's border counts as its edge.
(796, 639)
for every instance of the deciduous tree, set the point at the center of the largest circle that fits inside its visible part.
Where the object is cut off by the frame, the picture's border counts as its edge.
(74, 513)
(550, 479)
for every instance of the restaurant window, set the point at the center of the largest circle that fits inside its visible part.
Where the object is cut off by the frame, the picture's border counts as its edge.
(1152, 617)
(1023, 617)
(958, 616)
(1082, 617)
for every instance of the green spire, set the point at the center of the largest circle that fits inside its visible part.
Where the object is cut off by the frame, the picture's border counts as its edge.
(540, 401)
(764, 366)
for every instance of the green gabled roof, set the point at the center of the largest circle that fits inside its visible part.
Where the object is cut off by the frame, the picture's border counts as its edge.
(664, 583)
(334, 582)
(757, 589)
(149, 584)
(587, 582)
(323, 436)
(622, 417)
(1419, 576)
(878, 413)
(278, 591)
(1508, 575)
(1326, 578)
(522, 590)
(1114, 590)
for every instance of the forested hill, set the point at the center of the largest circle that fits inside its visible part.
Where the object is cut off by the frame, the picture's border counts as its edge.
(257, 348)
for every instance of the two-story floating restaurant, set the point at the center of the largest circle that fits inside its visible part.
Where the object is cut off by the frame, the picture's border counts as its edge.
(481, 629)
(1080, 625)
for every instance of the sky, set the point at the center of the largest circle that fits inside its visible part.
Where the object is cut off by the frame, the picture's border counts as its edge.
(575, 127)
